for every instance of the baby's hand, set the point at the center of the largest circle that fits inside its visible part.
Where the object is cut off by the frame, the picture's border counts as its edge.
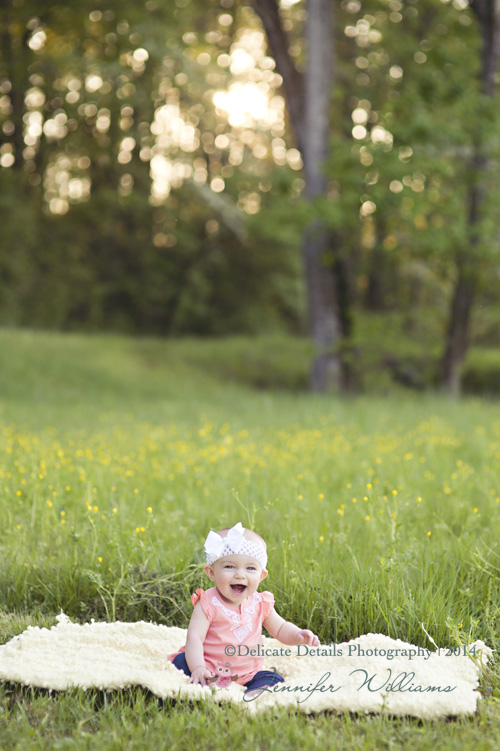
(307, 637)
(200, 675)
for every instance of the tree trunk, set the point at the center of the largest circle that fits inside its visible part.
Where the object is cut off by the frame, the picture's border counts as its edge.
(488, 15)
(319, 255)
(308, 103)
(323, 309)
(456, 340)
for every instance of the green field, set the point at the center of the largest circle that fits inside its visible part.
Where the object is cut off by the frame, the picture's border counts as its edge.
(118, 455)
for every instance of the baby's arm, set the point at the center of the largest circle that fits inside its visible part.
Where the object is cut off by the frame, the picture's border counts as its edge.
(197, 630)
(288, 633)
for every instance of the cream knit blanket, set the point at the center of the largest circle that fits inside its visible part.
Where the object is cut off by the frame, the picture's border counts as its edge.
(372, 673)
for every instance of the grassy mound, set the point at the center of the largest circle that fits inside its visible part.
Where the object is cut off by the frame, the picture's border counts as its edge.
(118, 456)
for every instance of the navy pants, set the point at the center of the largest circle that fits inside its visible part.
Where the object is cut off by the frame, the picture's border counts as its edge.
(260, 680)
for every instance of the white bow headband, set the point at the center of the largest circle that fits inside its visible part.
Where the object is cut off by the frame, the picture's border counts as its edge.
(235, 542)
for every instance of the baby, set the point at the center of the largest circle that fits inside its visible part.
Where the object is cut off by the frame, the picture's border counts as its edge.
(227, 620)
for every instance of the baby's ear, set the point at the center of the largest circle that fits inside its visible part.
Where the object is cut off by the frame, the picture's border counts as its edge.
(263, 575)
(210, 572)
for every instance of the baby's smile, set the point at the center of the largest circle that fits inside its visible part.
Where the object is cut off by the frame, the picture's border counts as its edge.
(238, 588)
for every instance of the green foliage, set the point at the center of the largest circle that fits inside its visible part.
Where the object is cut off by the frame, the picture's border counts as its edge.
(481, 372)
(121, 258)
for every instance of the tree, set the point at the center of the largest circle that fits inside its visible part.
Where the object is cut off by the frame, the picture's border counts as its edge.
(308, 98)
(487, 13)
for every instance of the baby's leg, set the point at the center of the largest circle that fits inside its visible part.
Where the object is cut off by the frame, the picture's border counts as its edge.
(261, 680)
(181, 663)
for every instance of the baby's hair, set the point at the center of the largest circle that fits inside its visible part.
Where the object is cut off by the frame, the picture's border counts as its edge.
(249, 534)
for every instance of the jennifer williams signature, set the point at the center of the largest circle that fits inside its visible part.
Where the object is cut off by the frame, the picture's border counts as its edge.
(402, 683)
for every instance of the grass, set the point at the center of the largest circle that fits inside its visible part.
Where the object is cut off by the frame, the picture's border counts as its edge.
(118, 455)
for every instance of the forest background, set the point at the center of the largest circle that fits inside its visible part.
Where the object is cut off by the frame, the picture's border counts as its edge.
(152, 179)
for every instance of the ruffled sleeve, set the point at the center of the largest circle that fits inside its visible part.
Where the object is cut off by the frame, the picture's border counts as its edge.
(201, 596)
(267, 604)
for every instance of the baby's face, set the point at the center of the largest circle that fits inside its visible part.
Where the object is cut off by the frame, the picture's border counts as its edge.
(236, 577)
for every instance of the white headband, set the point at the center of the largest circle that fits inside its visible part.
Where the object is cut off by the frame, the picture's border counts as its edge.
(235, 542)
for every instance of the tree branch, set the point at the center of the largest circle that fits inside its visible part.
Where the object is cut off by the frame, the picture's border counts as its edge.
(488, 16)
(268, 12)
(225, 208)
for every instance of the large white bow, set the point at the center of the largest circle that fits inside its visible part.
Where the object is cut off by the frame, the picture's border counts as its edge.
(215, 544)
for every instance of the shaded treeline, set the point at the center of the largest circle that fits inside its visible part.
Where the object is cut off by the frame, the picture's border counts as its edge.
(151, 173)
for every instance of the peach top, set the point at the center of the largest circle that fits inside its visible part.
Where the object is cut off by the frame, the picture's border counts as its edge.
(231, 627)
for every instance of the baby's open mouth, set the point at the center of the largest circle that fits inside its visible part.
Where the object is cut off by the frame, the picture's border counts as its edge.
(238, 588)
